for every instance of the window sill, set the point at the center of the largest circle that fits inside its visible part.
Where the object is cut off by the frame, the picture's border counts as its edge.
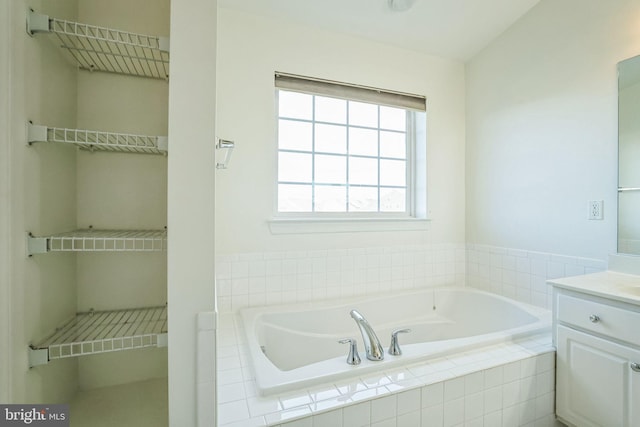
(344, 225)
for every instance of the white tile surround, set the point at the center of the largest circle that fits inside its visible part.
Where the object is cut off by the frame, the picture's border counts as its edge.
(469, 389)
(510, 384)
(522, 275)
(268, 278)
(255, 279)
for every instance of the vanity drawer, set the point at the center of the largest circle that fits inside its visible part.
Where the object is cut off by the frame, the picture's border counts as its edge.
(603, 319)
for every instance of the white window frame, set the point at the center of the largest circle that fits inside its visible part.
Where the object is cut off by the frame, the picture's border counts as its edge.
(414, 217)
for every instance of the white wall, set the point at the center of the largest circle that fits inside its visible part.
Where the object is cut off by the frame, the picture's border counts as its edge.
(6, 190)
(44, 287)
(251, 48)
(542, 128)
(122, 191)
(190, 210)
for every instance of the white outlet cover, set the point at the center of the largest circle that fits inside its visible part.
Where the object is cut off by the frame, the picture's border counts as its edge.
(596, 209)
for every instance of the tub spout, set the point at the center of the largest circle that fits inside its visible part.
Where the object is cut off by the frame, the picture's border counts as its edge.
(371, 342)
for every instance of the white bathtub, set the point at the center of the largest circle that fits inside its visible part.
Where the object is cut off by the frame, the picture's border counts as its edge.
(297, 345)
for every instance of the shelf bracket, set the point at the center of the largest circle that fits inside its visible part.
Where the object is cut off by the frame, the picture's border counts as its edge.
(37, 245)
(163, 143)
(37, 23)
(36, 133)
(38, 356)
(228, 146)
(162, 340)
(163, 44)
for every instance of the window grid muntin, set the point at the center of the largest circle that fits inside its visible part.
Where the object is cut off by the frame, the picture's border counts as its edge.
(378, 150)
(348, 112)
(408, 152)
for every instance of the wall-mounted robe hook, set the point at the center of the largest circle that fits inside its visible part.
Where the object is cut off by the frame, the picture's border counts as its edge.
(228, 146)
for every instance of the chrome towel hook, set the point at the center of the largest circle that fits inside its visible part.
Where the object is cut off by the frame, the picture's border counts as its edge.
(228, 146)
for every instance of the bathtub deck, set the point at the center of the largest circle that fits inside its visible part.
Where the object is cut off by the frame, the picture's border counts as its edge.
(530, 362)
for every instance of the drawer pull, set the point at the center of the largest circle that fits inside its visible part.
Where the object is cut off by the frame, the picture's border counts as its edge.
(635, 367)
(594, 318)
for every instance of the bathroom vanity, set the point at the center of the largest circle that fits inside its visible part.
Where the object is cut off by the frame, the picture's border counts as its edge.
(596, 330)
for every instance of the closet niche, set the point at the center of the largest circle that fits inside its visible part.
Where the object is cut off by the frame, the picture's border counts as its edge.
(114, 256)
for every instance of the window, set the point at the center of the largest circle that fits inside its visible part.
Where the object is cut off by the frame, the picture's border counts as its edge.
(348, 151)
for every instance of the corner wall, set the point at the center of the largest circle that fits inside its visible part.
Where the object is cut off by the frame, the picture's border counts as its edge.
(6, 211)
(542, 128)
(43, 201)
(191, 203)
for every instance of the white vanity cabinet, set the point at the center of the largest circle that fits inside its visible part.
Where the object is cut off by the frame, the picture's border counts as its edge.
(598, 355)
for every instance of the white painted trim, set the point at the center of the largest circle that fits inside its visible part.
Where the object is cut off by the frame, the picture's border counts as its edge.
(6, 270)
(344, 225)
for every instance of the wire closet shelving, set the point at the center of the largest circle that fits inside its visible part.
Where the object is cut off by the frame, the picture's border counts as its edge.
(98, 140)
(96, 48)
(103, 49)
(95, 332)
(90, 240)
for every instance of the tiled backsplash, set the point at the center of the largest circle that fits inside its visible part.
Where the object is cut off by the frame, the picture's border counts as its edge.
(267, 278)
(522, 275)
(253, 279)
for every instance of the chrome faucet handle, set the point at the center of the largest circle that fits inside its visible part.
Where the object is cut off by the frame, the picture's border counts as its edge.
(394, 348)
(353, 358)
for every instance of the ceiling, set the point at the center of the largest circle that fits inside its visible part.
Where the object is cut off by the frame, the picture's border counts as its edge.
(455, 29)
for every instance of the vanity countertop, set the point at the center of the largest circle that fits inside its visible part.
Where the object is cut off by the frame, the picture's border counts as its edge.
(607, 284)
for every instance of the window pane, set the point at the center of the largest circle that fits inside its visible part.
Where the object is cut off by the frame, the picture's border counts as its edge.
(393, 118)
(330, 199)
(294, 135)
(294, 167)
(330, 169)
(363, 171)
(361, 114)
(331, 110)
(393, 144)
(363, 142)
(294, 198)
(331, 139)
(340, 155)
(393, 172)
(363, 199)
(393, 200)
(295, 105)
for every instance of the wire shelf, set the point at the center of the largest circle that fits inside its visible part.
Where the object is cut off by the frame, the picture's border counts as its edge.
(104, 49)
(97, 332)
(99, 141)
(100, 241)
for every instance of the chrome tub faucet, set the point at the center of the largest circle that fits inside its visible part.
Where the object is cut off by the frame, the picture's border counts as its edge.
(353, 358)
(372, 344)
(394, 348)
